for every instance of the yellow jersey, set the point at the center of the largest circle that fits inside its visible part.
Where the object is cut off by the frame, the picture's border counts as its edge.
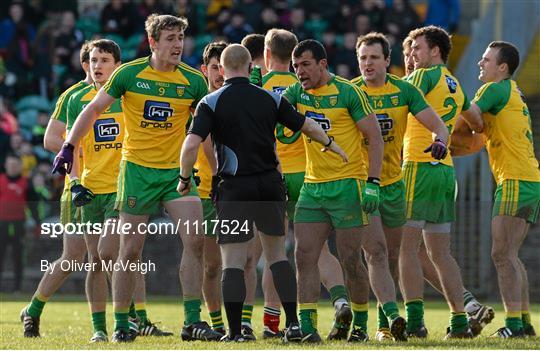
(508, 132)
(156, 109)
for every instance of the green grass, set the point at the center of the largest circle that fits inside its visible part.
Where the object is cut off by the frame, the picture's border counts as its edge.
(66, 324)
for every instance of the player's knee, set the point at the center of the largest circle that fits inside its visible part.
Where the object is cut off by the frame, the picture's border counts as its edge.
(377, 255)
(107, 255)
(501, 256)
(304, 258)
(194, 247)
(212, 268)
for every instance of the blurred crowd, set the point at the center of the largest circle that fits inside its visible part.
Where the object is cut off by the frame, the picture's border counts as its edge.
(40, 41)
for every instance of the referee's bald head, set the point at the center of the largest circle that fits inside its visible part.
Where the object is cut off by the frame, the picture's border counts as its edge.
(235, 58)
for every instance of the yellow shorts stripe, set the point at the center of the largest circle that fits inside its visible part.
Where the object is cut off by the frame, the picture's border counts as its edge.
(365, 218)
(515, 200)
(411, 181)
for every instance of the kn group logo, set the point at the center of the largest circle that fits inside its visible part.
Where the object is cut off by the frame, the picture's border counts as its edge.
(106, 130)
(157, 112)
(320, 119)
(385, 123)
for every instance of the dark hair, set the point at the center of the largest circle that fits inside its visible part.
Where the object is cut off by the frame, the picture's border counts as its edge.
(374, 38)
(435, 36)
(255, 45)
(316, 48)
(281, 43)
(84, 54)
(213, 50)
(108, 46)
(508, 53)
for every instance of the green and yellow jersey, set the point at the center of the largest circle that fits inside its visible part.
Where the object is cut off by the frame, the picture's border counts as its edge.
(102, 146)
(290, 145)
(61, 108)
(508, 132)
(204, 173)
(336, 107)
(443, 92)
(392, 104)
(156, 108)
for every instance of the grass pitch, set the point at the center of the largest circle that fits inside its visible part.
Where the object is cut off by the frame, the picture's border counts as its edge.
(66, 324)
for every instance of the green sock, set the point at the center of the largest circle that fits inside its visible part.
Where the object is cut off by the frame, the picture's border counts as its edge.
(415, 314)
(360, 315)
(382, 320)
(338, 292)
(458, 322)
(121, 320)
(132, 313)
(99, 322)
(140, 309)
(192, 311)
(217, 319)
(525, 318)
(391, 310)
(247, 311)
(513, 321)
(36, 306)
(468, 297)
(308, 317)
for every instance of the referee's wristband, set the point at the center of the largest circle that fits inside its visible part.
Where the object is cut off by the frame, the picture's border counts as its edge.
(329, 143)
(184, 179)
(374, 180)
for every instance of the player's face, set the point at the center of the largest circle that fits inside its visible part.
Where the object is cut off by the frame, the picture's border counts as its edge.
(308, 70)
(13, 167)
(212, 73)
(372, 62)
(102, 65)
(421, 53)
(488, 65)
(169, 46)
(409, 62)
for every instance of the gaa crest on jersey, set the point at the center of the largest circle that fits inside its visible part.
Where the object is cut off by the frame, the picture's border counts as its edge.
(180, 90)
(394, 100)
(333, 100)
(106, 130)
(451, 83)
(132, 201)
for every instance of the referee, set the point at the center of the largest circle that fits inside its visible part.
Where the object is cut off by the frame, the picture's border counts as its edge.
(241, 119)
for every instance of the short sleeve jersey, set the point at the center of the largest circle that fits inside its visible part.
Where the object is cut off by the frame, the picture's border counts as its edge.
(507, 127)
(204, 173)
(156, 108)
(392, 104)
(336, 107)
(102, 146)
(60, 110)
(290, 146)
(443, 92)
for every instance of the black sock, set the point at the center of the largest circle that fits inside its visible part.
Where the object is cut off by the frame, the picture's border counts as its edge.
(285, 283)
(233, 289)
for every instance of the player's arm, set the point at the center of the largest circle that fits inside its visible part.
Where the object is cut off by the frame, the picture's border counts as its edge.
(208, 149)
(429, 119)
(372, 132)
(54, 135)
(472, 115)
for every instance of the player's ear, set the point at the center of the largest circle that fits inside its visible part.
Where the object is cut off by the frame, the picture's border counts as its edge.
(250, 68)
(151, 43)
(204, 70)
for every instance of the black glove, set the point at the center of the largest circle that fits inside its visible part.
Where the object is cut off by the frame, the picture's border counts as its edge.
(438, 149)
(79, 194)
(214, 191)
(196, 178)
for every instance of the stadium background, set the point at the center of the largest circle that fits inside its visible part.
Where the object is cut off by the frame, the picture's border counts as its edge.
(39, 48)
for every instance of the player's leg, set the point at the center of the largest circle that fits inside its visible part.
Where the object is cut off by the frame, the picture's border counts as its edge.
(393, 244)
(528, 328)
(429, 270)
(272, 306)
(250, 273)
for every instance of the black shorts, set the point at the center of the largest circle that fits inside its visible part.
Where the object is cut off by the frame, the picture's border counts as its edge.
(246, 200)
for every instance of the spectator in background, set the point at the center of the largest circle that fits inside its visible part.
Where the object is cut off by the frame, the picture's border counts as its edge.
(68, 39)
(43, 48)
(253, 11)
(374, 9)
(269, 20)
(189, 55)
(186, 9)
(19, 58)
(73, 73)
(298, 25)
(8, 127)
(329, 42)
(344, 71)
(120, 18)
(362, 24)
(347, 54)
(400, 19)
(215, 10)
(29, 160)
(7, 91)
(316, 25)
(8, 26)
(238, 28)
(444, 14)
(16, 193)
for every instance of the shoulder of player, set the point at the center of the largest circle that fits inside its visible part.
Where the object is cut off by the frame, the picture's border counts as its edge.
(492, 87)
(131, 67)
(64, 97)
(190, 72)
(79, 94)
(358, 81)
(345, 86)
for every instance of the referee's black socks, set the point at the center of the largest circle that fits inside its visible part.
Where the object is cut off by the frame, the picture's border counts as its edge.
(285, 283)
(233, 289)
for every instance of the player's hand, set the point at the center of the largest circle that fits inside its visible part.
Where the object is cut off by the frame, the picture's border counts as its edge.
(335, 148)
(370, 195)
(64, 157)
(438, 149)
(196, 178)
(184, 185)
(214, 191)
(80, 195)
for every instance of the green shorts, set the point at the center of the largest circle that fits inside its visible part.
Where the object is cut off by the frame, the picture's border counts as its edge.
(336, 202)
(99, 209)
(293, 182)
(209, 216)
(142, 189)
(517, 198)
(69, 213)
(392, 205)
(430, 192)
